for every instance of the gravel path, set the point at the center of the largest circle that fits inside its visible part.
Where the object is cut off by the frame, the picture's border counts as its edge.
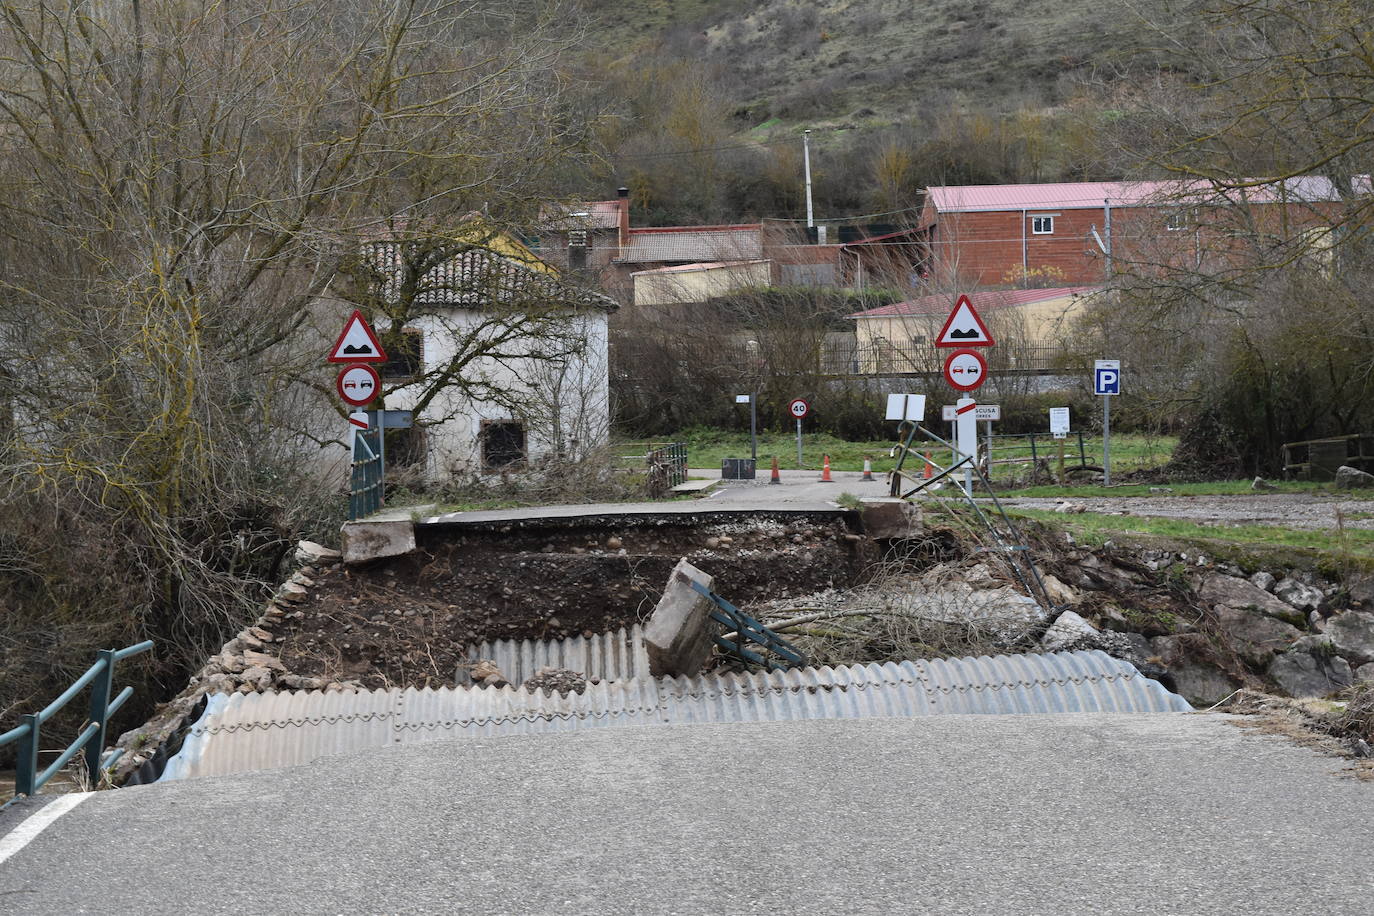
(1290, 510)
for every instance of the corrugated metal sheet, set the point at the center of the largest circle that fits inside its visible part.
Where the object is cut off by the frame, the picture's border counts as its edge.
(244, 732)
(1091, 194)
(607, 656)
(687, 243)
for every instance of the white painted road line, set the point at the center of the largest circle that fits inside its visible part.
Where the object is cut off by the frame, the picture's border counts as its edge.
(24, 834)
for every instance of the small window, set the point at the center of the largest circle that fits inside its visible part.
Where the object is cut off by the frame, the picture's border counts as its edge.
(503, 444)
(1178, 220)
(405, 360)
(1042, 225)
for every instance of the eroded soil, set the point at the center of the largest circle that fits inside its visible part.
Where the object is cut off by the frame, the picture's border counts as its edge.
(407, 622)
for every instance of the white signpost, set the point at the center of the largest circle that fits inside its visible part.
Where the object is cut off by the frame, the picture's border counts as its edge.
(753, 424)
(982, 412)
(966, 436)
(1107, 383)
(799, 408)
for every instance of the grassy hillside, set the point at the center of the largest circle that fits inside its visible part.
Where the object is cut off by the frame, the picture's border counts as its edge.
(880, 61)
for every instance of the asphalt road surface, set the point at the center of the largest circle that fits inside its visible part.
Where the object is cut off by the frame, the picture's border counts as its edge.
(1081, 814)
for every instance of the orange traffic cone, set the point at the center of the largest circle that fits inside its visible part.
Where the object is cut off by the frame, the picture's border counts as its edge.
(868, 469)
(825, 471)
(777, 475)
(930, 470)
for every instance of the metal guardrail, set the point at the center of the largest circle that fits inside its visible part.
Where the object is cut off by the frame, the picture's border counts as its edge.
(28, 779)
(365, 483)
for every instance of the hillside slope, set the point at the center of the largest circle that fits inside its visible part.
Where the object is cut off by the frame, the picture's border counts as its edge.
(884, 60)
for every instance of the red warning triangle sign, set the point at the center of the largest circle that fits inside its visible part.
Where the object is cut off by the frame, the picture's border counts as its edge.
(357, 343)
(964, 328)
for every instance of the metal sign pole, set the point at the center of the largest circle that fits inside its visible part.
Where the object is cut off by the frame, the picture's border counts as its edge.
(753, 427)
(1106, 441)
(799, 448)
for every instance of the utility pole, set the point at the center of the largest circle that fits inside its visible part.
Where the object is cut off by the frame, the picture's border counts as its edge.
(806, 164)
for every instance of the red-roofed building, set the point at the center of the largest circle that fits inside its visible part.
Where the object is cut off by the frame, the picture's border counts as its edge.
(1067, 233)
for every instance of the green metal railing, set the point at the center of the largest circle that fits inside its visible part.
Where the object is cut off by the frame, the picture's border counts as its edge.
(28, 779)
(365, 485)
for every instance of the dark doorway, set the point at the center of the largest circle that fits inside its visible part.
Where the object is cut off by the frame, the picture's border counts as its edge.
(503, 444)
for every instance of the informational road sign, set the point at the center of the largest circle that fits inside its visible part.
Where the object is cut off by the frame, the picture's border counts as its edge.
(1059, 421)
(1107, 376)
(965, 370)
(981, 412)
(964, 328)
(357, 343)
(358, 385)
(906, 407)
(798, 408)
(741, 399)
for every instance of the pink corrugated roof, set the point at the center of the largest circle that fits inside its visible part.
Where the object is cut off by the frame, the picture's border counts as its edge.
(988, 301)
(1090, 194)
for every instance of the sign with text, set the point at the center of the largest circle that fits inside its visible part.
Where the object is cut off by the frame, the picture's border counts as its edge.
(981, 412)
(1059, 420)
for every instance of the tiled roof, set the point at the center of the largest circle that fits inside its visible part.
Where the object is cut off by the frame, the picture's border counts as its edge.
(592, 214)
(1090, 194)
(256, 731)
(988, 301)
(475, 277)
(694, 243)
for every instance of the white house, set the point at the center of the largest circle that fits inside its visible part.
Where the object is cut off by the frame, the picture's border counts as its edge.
(502, 359)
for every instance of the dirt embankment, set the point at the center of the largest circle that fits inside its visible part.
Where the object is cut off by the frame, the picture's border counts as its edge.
(408, 622)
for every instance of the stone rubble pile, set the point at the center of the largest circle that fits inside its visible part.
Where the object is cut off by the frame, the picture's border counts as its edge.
(247, 663)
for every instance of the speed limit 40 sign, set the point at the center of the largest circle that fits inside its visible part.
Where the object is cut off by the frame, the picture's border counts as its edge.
(798, 408)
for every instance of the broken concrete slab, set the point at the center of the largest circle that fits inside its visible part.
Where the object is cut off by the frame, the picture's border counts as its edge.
(890, 518)
(679, 634)
(364, 541)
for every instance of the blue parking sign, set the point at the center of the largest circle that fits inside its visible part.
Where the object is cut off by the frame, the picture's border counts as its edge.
(1107, 376)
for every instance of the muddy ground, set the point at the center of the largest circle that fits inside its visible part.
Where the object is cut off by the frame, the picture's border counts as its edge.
(407, 622)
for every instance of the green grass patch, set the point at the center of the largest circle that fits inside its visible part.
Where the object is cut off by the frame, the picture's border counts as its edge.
(706, 446)
(1093, 528)
(1208, 488)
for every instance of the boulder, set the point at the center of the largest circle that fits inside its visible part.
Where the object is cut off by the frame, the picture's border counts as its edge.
(1069, 631)
(256, 677)
(1348, 478)
(1253, 636)
(1305, 598)
(1352, 633)
(978, 576)
(310, 552)
(1364, 673)
(1058, 593)
(1309, 668)
(1262, 485)
(262, 660)
(1198, 680)
(1263, 580)
(1233, 592)
(1361, 589)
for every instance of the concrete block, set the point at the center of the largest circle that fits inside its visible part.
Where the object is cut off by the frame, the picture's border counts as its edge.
(890, 518)
(364, 541)
(678, 636)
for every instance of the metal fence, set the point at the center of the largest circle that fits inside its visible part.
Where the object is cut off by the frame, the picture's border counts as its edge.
(28, 779)
(667, 465)
(365, 484)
